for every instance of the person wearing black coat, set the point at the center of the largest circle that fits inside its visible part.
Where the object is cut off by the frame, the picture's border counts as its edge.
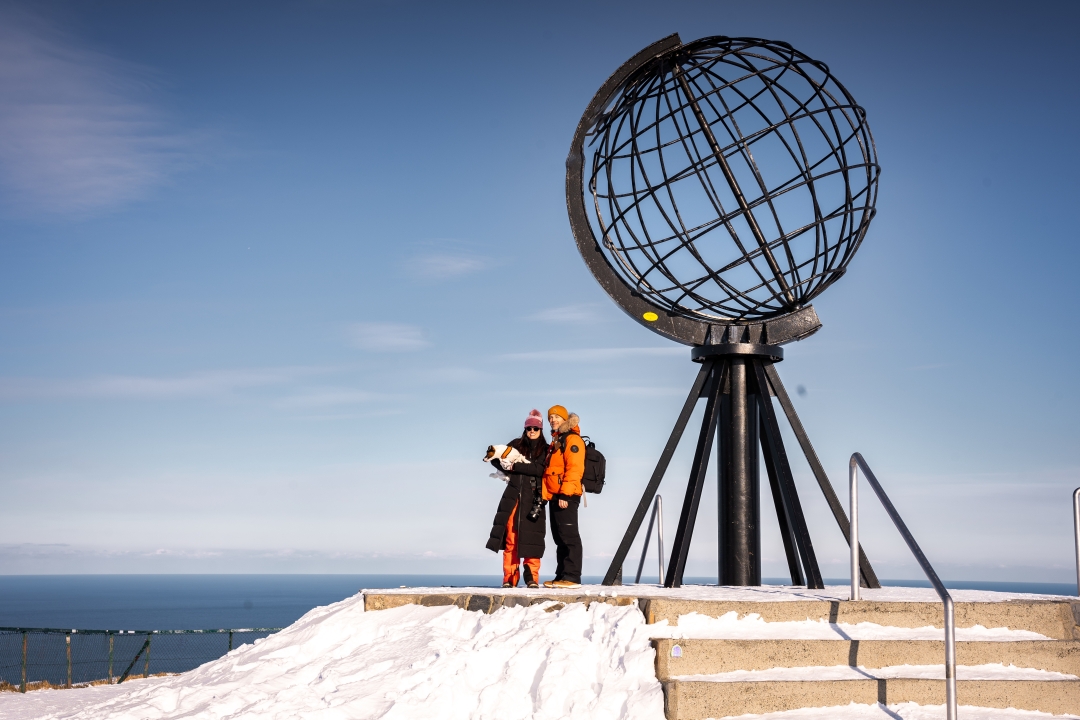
(519, 536)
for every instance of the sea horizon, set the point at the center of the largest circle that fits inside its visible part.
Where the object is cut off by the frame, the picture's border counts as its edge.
(190, 601)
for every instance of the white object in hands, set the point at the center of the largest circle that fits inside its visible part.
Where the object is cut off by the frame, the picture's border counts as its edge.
(507, 457)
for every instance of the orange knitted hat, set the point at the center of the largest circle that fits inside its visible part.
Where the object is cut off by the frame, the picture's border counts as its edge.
(558, 410)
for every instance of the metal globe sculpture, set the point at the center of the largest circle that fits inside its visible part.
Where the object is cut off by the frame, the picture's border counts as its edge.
(725, 180)
(714, 189)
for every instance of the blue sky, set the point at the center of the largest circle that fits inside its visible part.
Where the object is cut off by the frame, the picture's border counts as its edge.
(272, 275)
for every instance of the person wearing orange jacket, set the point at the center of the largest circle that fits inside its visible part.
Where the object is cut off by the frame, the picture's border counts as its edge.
(562, 486)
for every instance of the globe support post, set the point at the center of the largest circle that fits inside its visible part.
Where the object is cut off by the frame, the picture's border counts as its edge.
(738, 381)
(746, 422)
(739, 412)
(739, 506)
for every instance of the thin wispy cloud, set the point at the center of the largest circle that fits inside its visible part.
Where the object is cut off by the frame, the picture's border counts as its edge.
(387, 337)
(621, 391)
(932, 366)
(77, 132)
(202, 384)
(628, 391)
(584, 314)
(329, 397)
(442, 266)
(455, 375)
(580, 355)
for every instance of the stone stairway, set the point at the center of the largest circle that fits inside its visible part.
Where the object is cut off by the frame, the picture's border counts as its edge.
(813, 649)
(888, 655)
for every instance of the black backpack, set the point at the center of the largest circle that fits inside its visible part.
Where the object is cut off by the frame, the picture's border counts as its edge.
(595, 465)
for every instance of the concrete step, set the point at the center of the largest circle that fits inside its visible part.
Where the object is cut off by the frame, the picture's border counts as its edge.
(702, 697)
(703, 656)
(901, 711)
(1056, 619)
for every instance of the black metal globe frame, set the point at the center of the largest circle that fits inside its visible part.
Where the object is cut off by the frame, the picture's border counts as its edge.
(739, 312)
(693, 223)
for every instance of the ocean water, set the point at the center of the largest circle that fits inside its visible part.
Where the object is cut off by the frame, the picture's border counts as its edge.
(185, 602)
(190, 602)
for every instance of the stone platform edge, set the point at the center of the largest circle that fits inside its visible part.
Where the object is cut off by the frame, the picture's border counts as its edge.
(483, 602)
(1058, 619)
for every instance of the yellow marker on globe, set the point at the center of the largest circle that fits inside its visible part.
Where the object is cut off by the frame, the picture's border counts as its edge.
(651, 317)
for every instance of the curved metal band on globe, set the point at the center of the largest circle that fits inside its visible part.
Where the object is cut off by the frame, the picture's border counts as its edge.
(773, 353)
(676, 327)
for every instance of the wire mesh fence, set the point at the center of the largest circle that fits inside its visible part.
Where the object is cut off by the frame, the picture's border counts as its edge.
(32, 658)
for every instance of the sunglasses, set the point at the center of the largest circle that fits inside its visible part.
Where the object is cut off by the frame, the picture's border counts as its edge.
(532, 429)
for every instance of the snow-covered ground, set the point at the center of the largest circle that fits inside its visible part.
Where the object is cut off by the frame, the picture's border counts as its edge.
(764, 593)
(730, 626)
(434, 663)
(408, 663)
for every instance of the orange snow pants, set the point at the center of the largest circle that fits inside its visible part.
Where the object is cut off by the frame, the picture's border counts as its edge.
(512, 561)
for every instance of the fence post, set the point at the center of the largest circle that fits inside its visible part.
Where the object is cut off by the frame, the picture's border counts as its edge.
(69, 659)
(146, 667)
(110, 657)
(134, 660)
(230, 641)
(25, 640)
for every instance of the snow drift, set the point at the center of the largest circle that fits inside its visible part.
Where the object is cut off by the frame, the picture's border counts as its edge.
(412, 662)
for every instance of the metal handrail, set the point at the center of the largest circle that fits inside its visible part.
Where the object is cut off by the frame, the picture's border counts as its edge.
(1076, 534)
(854, 465)
(657, 515)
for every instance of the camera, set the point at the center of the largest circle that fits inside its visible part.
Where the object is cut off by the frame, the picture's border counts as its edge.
(537, 507)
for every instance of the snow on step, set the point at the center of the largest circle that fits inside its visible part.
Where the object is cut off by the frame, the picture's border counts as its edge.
(846, 672)
(906, 711)
(751, 627)
(409, 663)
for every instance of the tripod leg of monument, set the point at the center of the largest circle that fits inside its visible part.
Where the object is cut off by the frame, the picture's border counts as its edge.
(615, 569)
(786, 481)
(783, 517)
(753, 488)
(739, 503)
(681, 547)
(869, 577)
(721, 473)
